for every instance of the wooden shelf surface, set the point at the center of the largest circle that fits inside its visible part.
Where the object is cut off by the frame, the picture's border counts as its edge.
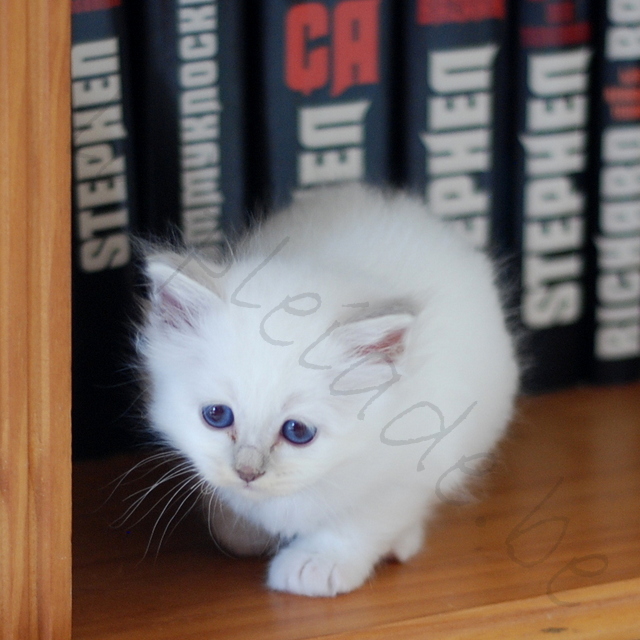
(551, 549)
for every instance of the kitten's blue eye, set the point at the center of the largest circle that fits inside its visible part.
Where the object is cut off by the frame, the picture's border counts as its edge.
(297, 432)
(218, 415)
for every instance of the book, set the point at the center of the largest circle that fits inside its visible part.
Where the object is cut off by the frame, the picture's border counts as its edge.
(616, 180)
(103, 209)
(551, 80)
(319, 95)
(188, 67)
(453, 126)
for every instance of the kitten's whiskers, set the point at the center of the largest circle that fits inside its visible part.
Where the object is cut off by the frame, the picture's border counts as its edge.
(186, 468)
(189, 488)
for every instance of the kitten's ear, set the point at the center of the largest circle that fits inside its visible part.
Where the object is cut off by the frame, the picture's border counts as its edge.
(177, 300)
(383, 335)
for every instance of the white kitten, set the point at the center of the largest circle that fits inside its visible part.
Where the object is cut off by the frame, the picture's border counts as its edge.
(350, 361)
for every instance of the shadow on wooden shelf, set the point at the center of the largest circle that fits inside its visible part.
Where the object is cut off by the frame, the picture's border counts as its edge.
(552, 547)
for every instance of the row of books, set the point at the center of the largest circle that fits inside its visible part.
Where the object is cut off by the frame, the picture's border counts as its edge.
(518, 122)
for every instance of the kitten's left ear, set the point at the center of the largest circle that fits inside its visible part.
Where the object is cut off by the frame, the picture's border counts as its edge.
(177, 300)
(384, 335)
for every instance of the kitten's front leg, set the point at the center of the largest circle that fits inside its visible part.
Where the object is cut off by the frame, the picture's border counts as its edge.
(323, 564)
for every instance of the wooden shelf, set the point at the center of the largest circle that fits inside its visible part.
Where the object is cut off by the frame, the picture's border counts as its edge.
(35, 321)
(550, 550)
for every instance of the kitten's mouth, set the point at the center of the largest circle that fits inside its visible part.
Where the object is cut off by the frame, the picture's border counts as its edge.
(250, 489)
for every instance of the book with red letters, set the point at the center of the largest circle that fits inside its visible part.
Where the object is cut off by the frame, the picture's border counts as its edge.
(318, 95)
(615, 346)
(453, 125)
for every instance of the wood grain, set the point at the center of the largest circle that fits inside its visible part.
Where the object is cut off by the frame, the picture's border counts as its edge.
(608, 612)
(34, 320)
(14, 444)
(552, 547)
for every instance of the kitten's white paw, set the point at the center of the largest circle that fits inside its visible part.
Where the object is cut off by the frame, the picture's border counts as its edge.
(408, 543)
(314, 574)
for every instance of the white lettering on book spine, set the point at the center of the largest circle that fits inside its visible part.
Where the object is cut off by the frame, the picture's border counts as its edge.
(200, 109)
(617, 332)
(554, 232)
(332, 139)
(100, 185)
(457, 140)
(618, 246)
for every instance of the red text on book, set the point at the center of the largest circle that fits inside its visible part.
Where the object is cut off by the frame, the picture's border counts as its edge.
(336, 47)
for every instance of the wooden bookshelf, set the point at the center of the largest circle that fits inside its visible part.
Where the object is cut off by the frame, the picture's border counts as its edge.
(35, 430)
(551, 548)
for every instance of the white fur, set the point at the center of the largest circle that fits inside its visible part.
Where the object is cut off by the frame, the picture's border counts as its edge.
(430, 346)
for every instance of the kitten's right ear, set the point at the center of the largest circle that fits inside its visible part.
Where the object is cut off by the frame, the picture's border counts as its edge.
(177, 300)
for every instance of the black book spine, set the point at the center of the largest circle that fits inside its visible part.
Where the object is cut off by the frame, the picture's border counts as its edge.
(616, 152)
(103, 214)
(189, 114)
(551, 76)
(322, 95)
(453, 122)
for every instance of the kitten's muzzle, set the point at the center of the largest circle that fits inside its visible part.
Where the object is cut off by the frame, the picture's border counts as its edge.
(249, 463)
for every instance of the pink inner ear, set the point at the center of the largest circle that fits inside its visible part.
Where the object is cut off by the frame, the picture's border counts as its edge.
(173, 311)
(391, 345)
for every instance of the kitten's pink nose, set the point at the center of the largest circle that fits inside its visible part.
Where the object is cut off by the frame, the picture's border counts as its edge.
(248, 474)
(249, 463)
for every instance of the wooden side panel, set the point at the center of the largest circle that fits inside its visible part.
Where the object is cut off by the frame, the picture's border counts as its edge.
(35, 432)
(14, 426)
